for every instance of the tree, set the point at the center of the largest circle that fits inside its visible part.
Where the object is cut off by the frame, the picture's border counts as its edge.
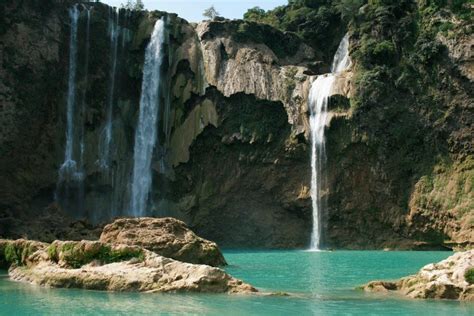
(211, 13)
(348, 8)
(134, 5)
(255, 14)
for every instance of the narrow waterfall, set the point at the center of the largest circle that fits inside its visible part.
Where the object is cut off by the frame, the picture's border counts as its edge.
(68, 169)
(320, 92)
(114, 32)
(147, 127)
(84, 93)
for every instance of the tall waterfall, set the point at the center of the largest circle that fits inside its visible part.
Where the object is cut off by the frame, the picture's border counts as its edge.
(114, 32)
(68, 169)
(146, 132)
(84, 92)
(70, 186)
(320, 92)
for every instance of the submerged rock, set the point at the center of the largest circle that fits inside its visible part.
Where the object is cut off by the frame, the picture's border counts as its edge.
(100, 266)
(452, 278)
(168, 237)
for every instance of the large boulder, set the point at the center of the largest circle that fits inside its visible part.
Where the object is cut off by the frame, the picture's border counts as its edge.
(452, 278)
(167, 237)
(99, 266)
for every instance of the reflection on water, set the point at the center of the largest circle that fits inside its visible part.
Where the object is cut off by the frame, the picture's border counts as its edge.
(320, 283)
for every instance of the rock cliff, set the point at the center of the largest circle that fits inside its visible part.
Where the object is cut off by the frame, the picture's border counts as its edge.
(233, 157)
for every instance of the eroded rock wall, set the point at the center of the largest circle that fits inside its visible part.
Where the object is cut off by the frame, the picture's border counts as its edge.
(233, 155)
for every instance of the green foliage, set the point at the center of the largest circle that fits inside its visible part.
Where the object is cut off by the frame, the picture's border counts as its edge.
(426, 50)
(348, 8)
(282, 45)
(52, 253)
(459, 7)
(314, 21)
(133, 5)
(12, 255)
(211, 13)
(255, 14)
(76, 256)
(373, 52)
(469, 275)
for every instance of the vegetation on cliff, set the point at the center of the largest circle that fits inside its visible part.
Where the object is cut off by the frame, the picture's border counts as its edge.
(315, 21)
(412, 108)
(410, 113)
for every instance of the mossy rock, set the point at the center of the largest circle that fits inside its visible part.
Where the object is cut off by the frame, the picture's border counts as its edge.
(16, 252)
(76, 254)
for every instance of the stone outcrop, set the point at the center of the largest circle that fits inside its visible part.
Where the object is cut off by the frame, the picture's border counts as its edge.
(99, 266)
(237, 59)
(167, 237)
(452, 278)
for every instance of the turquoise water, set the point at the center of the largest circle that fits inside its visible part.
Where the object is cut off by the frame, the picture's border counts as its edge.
(320, 283)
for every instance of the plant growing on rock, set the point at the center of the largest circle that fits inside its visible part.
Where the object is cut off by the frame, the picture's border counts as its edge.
(469, 275)
(211, 13)
(77, 254)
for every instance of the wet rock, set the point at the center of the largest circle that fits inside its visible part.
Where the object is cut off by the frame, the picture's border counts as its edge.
(168, 237)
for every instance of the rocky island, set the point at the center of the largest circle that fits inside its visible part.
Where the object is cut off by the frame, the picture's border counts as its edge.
(119, 266)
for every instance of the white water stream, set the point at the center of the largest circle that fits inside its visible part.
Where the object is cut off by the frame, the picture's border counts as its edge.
(320, 92)
(147, 127)
(69, 167)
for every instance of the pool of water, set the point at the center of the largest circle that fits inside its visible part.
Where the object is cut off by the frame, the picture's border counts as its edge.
(320, 283)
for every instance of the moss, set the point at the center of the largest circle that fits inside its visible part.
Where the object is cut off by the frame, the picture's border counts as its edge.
(12, 255)
(52, 252)
(469, 275)
(75, 255)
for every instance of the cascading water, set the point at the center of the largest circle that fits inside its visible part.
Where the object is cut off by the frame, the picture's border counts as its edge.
(320, 92)
(68, 169)
(146, 132)
(114, 32)
(84, 93)
(70, 186)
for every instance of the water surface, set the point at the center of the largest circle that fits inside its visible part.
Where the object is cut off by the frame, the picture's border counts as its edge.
(320, 283)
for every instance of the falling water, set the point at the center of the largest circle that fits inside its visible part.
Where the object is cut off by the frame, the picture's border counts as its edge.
(320, 92)
(68, 169)
(114, 32)
(84, 92)
(146, 133)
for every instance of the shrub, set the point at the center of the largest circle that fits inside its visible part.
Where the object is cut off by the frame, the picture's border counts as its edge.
(11, 254)
(469, 275)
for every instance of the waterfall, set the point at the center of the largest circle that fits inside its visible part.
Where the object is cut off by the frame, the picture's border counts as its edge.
(146, 132)
(68, 169)
(114, 32)
(320, 92)
(84, 93)
(70, 185)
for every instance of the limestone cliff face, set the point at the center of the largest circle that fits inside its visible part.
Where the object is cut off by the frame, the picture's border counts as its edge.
(233, 66)
(233, 157)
